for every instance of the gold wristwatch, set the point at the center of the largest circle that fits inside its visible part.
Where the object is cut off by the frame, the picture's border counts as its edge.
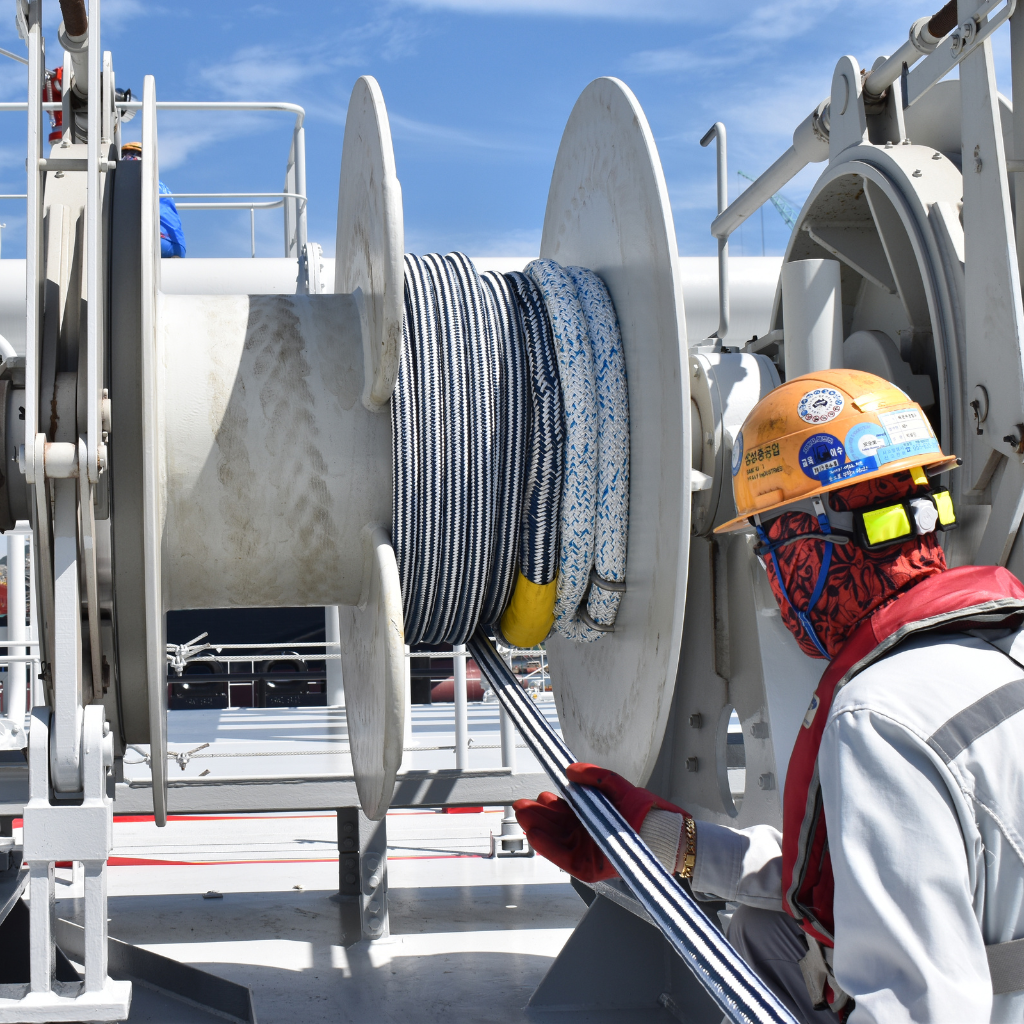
(690, 855)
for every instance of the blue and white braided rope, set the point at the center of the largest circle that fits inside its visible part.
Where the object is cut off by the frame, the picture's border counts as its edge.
(542, 497)
(737, 990)
(595, 516)
(512, 431)
(460, 425)
(579, 486)
(612, 447)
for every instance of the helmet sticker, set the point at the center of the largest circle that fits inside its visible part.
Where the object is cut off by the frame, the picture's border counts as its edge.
(821, 455)
(865, 439)
(820, 405)
(909, 434)
(737, 453)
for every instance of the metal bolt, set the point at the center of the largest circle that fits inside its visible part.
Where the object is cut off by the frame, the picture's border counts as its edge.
(691, 764)
(696, 721)
(350, 879)
(766, 781)
(348, 828)
(917, 173)
(348, 844)
(936, 156)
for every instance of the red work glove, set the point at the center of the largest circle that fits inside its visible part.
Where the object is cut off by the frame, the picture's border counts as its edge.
(554, 831)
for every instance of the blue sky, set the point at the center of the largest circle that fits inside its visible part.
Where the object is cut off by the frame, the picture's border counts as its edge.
(478, 92)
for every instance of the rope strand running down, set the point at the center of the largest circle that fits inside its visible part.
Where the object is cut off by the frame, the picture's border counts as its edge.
(737, 990)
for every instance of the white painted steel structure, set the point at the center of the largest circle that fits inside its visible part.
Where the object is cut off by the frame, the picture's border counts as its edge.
(195, 461)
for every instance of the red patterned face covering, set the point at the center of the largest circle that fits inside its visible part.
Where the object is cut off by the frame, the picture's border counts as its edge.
(858, 581)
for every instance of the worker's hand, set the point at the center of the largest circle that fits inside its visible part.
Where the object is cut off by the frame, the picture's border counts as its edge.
(554, 831)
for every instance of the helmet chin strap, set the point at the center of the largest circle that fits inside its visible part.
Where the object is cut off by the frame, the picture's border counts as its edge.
(819, 586)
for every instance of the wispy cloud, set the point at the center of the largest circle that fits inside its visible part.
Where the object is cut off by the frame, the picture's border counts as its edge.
(425, 131)
(632, 10)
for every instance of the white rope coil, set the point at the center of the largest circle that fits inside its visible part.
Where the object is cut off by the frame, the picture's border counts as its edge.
(612, 446)
(579, 486)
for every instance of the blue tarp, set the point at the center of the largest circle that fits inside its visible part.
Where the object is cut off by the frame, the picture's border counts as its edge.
(172, 237)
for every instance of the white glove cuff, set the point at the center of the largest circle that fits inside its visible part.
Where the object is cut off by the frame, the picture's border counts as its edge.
(662, 832)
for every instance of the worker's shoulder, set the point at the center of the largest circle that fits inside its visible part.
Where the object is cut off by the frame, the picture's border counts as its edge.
(929, 679)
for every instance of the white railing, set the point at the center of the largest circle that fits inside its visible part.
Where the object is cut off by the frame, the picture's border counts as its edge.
(292, 197)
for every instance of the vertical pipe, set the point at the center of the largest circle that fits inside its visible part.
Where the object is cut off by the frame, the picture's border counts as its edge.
(812, 313)
(1017, 72)
(408, 741)
(34, 230)
(335, 680)
(42, 959)
(94, 261)
(461, 711)
(38, 693)
(16, 698)
(252, 229)
(95, 925)
(717, 132)
(508, 742)
(300, 188)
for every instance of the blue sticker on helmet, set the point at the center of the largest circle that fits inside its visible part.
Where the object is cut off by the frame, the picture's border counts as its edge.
(864, 440)
(823, 457)
(737, 453)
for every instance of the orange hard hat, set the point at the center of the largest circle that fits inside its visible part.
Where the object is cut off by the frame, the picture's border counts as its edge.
(824, 431)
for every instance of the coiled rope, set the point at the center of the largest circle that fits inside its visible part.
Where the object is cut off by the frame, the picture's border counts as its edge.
(492, 471)
(511, 444)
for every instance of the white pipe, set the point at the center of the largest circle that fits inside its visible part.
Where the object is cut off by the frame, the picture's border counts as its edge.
(919, 44)
(335, 680)
(6, 349)
(300, 187)
(508, 741)
(16, 697)
(78, 48)
(812, 312)
(408, 741)
(810, 145)
(38, 689)
(717, 132)
(461, 709)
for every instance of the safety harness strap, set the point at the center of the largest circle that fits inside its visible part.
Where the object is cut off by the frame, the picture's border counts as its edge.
(819, 586)
(1006, 965)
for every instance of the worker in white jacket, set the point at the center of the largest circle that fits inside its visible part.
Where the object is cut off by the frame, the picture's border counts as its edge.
(896, 890)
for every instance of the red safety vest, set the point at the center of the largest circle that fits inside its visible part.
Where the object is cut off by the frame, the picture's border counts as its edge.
(970, 597)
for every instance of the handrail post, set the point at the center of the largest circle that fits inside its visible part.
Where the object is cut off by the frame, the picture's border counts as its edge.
(300, 187)
(461, 710)
(717, 132)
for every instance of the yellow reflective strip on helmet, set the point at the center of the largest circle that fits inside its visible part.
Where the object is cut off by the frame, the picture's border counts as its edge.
(885, 524)
(919, 476)
(530, 614)
(944, 503)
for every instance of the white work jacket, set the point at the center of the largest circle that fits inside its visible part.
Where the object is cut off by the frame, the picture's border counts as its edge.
(922, 778)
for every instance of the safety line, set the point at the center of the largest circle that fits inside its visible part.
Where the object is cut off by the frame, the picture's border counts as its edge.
(737, 990)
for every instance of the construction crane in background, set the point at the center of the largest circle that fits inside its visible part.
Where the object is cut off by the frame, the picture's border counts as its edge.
(787, 211)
